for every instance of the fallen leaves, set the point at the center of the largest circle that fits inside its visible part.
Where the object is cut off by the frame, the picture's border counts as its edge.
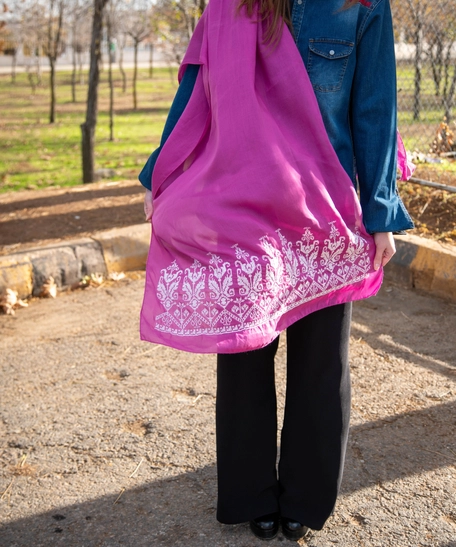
(49, 288)
(22, 468)
(116, 276)
(433, 211)
(444, 139)
(10, 302)
(97, 280)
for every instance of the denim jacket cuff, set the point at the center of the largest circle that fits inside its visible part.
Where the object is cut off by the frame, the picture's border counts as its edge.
(392, 219)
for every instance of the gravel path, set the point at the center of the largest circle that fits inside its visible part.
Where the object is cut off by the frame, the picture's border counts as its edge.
(108, 441)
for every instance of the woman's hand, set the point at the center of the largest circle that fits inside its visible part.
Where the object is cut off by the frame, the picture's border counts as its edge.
(385, 248)
(148, 205)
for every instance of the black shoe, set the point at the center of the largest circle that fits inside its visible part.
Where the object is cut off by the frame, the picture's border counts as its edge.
(265, 527)
(292, 529)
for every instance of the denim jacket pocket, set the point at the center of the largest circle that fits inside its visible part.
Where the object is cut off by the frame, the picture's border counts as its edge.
(327, 62)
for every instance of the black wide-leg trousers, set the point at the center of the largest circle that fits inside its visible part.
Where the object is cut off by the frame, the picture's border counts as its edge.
(314, 431)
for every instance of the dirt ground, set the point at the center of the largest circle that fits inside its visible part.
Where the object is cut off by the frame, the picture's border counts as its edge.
(34, 217)
(107, 441)
(433, 211)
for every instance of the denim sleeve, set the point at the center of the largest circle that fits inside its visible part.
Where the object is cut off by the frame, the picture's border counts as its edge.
(374, 123)
(181, 99)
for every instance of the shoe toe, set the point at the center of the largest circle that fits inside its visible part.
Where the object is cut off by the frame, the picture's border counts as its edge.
(265, 527)
(293, 529)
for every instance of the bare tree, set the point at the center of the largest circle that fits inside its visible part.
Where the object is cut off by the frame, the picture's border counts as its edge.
(109, 37)
(138, 26)
(79, 23)
(113, 18)
(151, 58)
(440, 40)
(191, 11)
(417, 10)
(33, 30)
(54, 46)
(174, 23)
(121, 43)
(10, 38)
(88, 127)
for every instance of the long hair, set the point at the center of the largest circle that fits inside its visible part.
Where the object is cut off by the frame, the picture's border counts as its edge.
(277, 13)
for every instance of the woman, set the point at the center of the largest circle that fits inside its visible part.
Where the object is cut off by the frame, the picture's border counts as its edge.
(245, 156)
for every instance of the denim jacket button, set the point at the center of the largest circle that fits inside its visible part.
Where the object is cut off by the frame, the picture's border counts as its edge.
(332, 52)
(299, 2)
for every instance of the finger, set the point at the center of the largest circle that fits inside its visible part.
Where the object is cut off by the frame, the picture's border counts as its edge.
(387, 256)
(148, 210)
(378, 259)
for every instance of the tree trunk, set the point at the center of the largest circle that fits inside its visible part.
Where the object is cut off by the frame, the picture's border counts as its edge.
(449, 98)
(202, 6)
(81, 72)
(88, 127)
(447, 64)
(418, 65)
(38, 68)
(31, 79)
(438, 68)
(53, 48)
(73, 76)
(111, 84)
(13, 66)
(122, 71)
(151, 60)
(434, 54)
(52, 85)
(88, 160)
(135, 75)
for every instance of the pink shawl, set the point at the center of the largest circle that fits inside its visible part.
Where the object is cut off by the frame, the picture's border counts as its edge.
(405, 166)
(256, 224)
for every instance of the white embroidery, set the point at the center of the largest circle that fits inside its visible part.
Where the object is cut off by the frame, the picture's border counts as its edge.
(221, 297)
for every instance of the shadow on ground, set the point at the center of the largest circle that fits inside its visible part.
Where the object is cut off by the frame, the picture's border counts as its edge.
(180, 510)
(70, 196)
(28, 230)
(423, 336)
(74, 213)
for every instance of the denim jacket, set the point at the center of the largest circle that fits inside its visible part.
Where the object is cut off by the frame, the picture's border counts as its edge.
(349, 57)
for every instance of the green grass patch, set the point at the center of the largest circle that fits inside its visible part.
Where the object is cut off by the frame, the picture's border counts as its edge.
(37, 154)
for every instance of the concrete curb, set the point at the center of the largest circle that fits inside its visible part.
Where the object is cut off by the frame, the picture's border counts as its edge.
(424, 264)
(419, 263)
(120, 249)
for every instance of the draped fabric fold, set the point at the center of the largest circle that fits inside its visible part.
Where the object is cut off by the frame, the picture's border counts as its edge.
(255, 222)
(406, 167)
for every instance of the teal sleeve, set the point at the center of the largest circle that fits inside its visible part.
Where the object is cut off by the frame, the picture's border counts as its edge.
(180, 101)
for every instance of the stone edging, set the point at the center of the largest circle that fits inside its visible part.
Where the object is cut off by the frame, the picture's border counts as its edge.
(116, 250)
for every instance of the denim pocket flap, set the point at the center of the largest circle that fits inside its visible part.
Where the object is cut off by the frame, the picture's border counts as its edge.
(330, 49)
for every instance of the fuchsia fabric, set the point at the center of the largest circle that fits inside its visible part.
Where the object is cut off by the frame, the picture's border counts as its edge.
(255, 222)
(405, 166)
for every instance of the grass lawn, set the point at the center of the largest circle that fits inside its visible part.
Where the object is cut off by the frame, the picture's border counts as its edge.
(37, 154)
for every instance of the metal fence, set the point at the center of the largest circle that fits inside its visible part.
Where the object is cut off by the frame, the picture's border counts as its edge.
(425, 35)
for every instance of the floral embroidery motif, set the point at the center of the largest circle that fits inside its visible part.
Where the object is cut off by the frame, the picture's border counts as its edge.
(221, 297)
